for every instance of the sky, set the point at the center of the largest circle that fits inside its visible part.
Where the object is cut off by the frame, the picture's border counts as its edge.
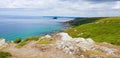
(81, 8)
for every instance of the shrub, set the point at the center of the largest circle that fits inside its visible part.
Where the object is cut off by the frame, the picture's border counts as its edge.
(18, 40)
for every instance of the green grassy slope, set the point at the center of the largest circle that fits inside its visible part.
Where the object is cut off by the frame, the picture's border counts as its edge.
(80, 21)
(99, 29)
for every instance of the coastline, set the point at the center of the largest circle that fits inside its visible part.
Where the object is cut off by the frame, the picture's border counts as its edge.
(63, 44)
(65, 26)
(28, 29)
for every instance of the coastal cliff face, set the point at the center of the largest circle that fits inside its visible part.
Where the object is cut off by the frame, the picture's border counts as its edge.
(62, 45)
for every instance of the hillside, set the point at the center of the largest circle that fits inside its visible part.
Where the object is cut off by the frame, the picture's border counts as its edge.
(59, 45)
(99, 29)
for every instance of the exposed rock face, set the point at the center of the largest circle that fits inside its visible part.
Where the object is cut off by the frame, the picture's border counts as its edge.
(108, 51)
(2, 43)
(95, 56)
(84, 44)
(73, 45)
(68, 48)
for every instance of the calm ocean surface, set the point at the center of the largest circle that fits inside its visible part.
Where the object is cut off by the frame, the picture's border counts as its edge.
(15, 27)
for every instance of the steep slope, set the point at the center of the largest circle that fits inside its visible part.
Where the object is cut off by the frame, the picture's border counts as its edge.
(100, 29)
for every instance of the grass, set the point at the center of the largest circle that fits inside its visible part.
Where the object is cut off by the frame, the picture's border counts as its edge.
(80, 21)
(35, 38)
(88, 53)
(100, 30)
(5, 54)
(32, 38)
(21, 44)
(24, 42)
(45, 41)
(100, 53)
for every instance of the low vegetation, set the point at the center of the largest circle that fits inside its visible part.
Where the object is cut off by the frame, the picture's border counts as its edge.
(32, 38)
(21, 44)
(45, 41)
(5, 54)
(18, 40)
(80, 21)
(25, 41)
(100, 29)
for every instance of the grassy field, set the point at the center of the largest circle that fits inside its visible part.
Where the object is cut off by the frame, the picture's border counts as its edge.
(105, 29)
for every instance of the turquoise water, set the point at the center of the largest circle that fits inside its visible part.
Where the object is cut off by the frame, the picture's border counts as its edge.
(12, 28)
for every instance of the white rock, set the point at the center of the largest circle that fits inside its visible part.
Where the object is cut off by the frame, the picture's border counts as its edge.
(70, 53)
(82, 56)
(89, 40)
(81, 40)
(2, 43)
(48, 36)
(71, 45)
(108, 51)
(64, 36)
(66, 50)
(94, 56)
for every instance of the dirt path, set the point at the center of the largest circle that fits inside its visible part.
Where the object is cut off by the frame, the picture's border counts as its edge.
(34, 50)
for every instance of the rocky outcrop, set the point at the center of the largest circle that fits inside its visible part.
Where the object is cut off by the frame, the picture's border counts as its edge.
(64, 36)
(48, 36)
(2, 43)
(74, 45)
(62, 46)
(108, 51)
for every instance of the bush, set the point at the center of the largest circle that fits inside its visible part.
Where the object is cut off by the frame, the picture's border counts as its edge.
(18, 40)
(5, 55)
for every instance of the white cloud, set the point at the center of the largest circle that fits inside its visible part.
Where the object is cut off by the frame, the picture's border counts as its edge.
(117, 5)
(79, 4)
(63, 7)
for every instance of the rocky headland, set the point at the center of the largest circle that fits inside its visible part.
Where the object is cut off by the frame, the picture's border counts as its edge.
(61, 46)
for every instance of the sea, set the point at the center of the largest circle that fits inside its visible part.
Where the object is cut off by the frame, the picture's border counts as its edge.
(12, 27)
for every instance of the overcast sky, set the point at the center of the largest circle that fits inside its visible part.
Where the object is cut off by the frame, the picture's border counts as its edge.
(60, 7)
